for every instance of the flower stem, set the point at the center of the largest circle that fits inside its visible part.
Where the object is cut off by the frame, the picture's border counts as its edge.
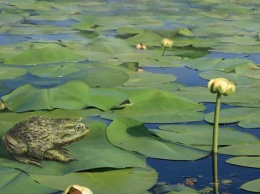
(164, 49)
(216, 122)
(215, 173)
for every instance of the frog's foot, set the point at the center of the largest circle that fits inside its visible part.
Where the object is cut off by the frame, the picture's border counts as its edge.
(59, 154)
(28, 160)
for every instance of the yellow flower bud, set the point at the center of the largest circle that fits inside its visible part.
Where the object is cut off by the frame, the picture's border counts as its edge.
(221, 86)
(167, 43)
(77, 189)
(2, 105)
(141, 47)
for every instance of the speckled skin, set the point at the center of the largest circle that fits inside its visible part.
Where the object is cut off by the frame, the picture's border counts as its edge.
(38, 137)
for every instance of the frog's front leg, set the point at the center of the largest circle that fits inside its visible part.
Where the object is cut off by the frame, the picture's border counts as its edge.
(58, 154)
(27, 160)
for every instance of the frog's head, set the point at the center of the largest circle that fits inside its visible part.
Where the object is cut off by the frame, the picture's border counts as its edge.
(69, 131)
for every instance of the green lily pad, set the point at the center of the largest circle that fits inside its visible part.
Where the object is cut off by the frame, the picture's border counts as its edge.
(127, 181)
(132, 135)
(30, 29)
(148, 38)
(101, 76)
(245, 149)
(252, 186)
(53, 70)
(72, 95)
(201, 134)
(239, 98)
(234, 115)
(137, 79)
(92, 152)
(106, 98)
(252, 162)
(48, 54)
(11, 72)
(8, 18)
(16, 181)
(158, 107)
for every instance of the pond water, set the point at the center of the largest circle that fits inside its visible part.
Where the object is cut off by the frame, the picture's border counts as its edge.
(171, 172)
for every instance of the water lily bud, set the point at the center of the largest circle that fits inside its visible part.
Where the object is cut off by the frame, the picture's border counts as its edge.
(77, 189)
(141, 47)
(221, 86)
(2, 106)
(167, 43)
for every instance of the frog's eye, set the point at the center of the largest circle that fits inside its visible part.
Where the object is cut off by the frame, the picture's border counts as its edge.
(78, 127)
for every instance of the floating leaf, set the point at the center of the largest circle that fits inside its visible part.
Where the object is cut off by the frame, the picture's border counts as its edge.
(11, 72)
(253, 186)
(105, 98)
(53, 70)
(201, 135)
(71, 95)
(127, 181)
(138, 79)
(234, 115)
(101, 76)
(159, 107)
(148, 38)
(49, 54)
(245, 149)
(132, 135)
(253, 162)
(16, 181)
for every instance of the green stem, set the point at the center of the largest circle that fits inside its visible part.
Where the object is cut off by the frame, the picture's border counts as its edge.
(216, 122)
(215, 172)
(164, 49)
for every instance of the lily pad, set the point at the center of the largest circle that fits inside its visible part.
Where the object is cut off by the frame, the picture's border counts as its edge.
(245, 149)
(53, 70)
(201, 135)
(137, 79)
(252, 162)
(127, 181)
(106, 98)
(234, 115)
(11, 72)
(132, 135)
(49, 54)
(252, 186)
(153, 107)
(16, 181)
(72, 95)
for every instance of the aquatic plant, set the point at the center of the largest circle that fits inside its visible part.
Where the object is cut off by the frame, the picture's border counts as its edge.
(166, 43)
(221, 86)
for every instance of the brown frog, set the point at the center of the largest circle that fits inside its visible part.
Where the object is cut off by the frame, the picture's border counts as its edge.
(38, 137)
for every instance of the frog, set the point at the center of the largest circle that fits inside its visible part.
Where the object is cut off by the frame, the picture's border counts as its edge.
(38, 138)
